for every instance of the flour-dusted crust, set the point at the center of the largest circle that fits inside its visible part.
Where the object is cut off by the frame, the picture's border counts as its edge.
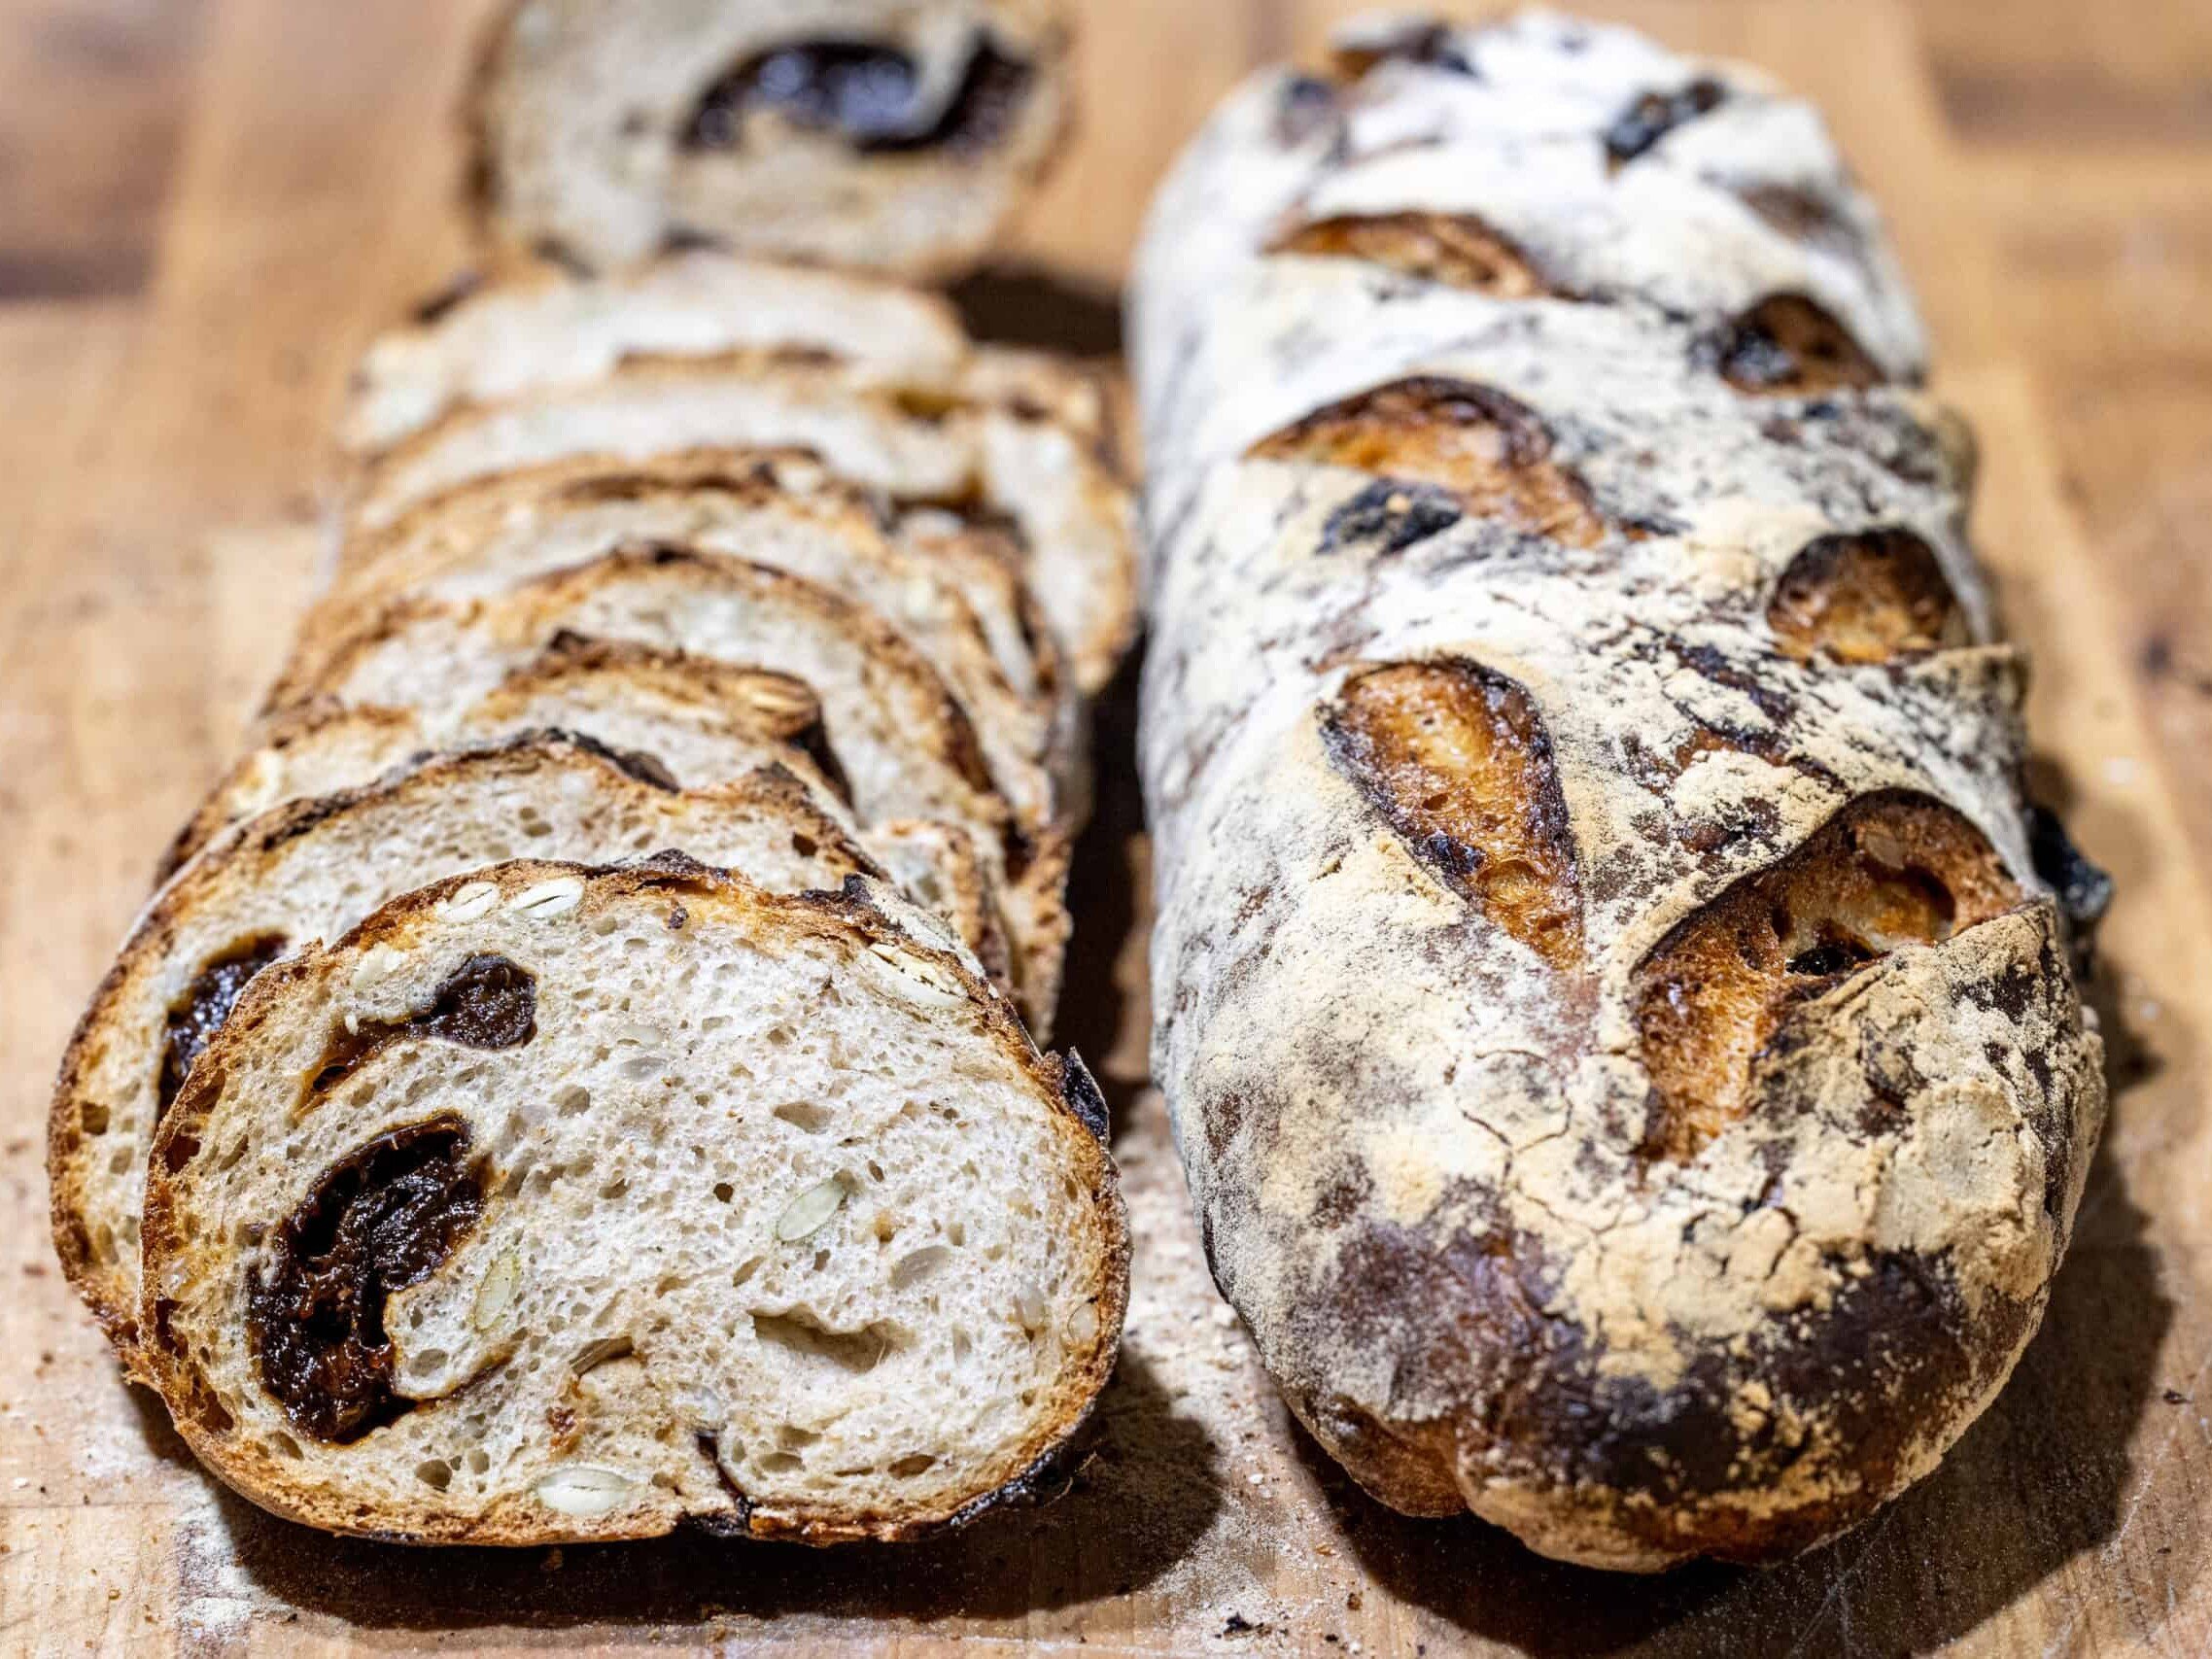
(1628, 1066)
(874, 134)
(441, 1248)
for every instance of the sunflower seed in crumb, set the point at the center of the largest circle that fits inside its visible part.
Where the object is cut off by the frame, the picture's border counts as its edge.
(810, 1212)
(917, 1265)
(468, 904)
(777, 701)
(1083, 1325)
(379, 961)
(923, 983)
(1029, 1308)
(557, 897)
(496, 1294)
(584, 1490)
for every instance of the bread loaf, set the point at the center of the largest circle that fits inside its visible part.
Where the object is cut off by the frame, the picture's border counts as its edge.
(1629, 1068)
(722, 1187)
(875, 134)
(558, 1205)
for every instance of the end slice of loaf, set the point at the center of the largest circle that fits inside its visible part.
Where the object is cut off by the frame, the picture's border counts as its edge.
(309, 870)
(1053, 483)
(554, 1204)
(879, 136)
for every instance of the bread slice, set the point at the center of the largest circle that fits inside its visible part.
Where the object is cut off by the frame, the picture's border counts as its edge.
(1053, 483)
(541, 325)
(876, 134)
(904, 741)
(311, 869)
(691, 721)
(771, 508)
(700, 721)
(553, 1205)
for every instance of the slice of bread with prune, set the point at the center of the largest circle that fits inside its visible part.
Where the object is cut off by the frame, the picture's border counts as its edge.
(554, 1204)
(875, 134)
(309, 870)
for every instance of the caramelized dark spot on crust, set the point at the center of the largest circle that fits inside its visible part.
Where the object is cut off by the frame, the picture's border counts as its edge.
(865, 94)
(1866, 598)
(1452, 248)
(1389, 517)
(1488, 450)
(1305, 105)
(1456, 757)
(1889, 870)
(383, 1218)
(1434, 46)
(2084, 888)
(207, 1002)
(1803, 217)
(1653, 115)
(488, 1002)
(1787, 346)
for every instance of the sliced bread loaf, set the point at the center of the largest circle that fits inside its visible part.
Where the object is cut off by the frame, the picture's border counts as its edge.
(542, 326)
(877, 134)
(1052, 483)
(770, 509)
(904, 741)
(556, 1205)
(311, 869)
(700, 721)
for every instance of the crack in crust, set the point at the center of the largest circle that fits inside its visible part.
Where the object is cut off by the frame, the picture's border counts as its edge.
(1888, 871)
(1489, 450)
(1456, 757)
(1868, 598)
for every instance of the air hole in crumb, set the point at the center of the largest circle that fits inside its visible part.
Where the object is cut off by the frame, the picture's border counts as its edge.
(436, 1473)
(912, 1465)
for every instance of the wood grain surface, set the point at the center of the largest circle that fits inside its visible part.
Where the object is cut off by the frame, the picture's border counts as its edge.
(206, 206)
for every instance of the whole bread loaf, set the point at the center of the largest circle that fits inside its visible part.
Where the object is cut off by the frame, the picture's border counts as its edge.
(1628, 1066)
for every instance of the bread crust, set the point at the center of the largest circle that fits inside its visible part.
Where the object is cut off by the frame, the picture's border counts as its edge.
(851, 920)
(1627, 1062)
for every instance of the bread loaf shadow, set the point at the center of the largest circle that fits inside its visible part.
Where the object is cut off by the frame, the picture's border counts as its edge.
(1034, 305)
(1147, 1491)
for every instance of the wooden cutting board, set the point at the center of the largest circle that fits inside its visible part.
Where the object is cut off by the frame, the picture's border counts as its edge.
(205, 207)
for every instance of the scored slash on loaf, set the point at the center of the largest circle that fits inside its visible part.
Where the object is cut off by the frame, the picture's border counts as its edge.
(1626, 1057)
(573, 1078)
